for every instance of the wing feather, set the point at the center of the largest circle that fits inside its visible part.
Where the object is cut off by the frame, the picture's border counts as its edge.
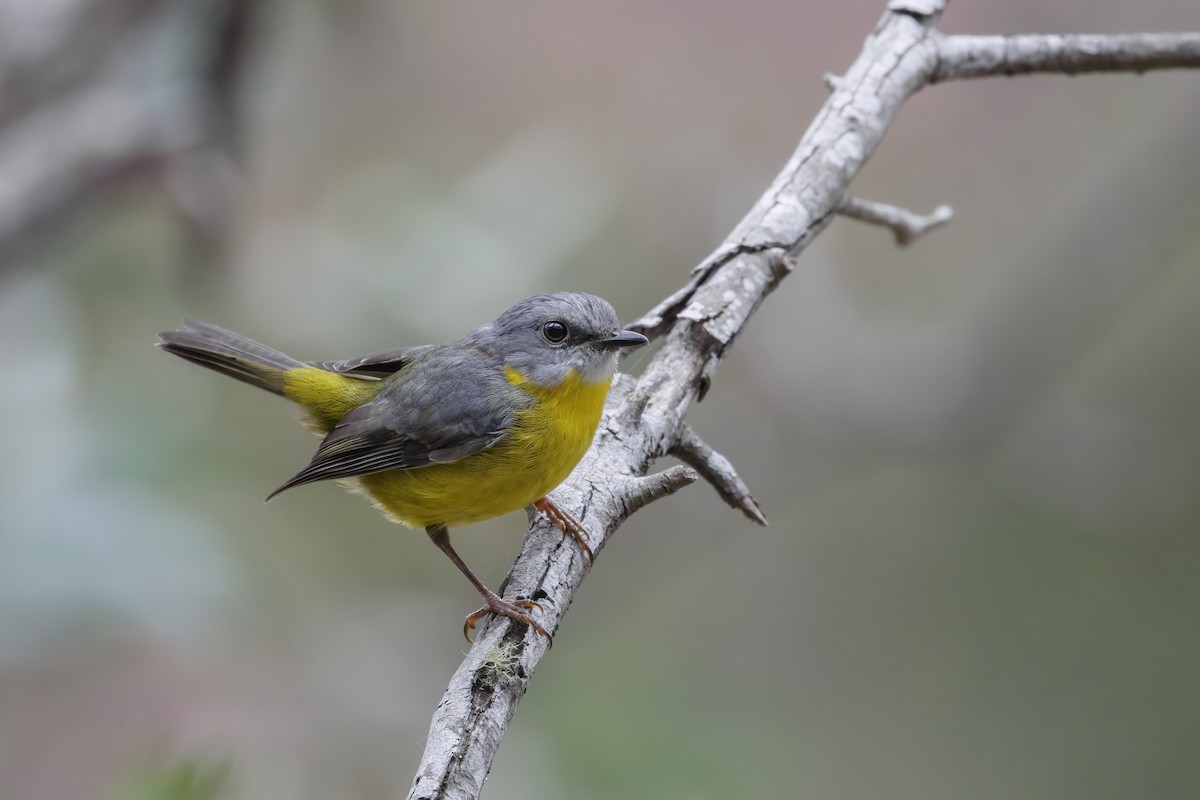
(375, 365)
(456, 404)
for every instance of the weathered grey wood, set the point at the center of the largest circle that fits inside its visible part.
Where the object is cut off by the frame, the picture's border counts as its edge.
(644, 418)
(988, 56)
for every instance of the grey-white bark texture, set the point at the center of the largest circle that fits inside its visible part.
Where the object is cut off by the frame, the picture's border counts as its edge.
(644, 417)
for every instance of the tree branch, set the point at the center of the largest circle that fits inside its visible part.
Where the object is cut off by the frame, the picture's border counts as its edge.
(992, 56)
(718, 471)
(906, 226)
(644, 417)
(76, 116)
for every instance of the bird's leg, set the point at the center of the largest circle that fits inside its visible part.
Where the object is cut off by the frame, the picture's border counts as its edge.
(495, 604)
(566, 524)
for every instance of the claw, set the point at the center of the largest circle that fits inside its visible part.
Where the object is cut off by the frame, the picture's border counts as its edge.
(505, 608)
(566, 524)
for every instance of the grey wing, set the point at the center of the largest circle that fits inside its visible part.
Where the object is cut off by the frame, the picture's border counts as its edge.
(454, 408)
(375, 365)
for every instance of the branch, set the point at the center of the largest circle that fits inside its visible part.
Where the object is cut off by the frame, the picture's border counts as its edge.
(906, 226)
(61, 156)
(484, 691)
(76, 117)
(644, 417)
(992, 56)
(718, 471)
(56, 58)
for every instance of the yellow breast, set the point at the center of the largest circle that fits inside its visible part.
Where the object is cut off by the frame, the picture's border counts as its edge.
(542, 448)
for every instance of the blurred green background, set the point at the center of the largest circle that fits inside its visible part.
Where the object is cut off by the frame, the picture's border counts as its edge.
(980, 455)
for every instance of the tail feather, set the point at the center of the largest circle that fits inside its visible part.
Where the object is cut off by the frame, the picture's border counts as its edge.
(230, 354)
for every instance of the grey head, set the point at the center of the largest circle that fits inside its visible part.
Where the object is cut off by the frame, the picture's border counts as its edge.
(548, 335)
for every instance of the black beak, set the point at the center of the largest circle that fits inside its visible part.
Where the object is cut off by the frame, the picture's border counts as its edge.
(621, 340)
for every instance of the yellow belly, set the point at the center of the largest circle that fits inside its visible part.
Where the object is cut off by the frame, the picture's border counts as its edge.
(540, 451)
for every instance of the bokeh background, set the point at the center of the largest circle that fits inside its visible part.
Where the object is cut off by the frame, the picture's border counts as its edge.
(980, 455)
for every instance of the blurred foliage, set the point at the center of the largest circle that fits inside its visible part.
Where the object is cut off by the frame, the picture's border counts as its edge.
(186, 780)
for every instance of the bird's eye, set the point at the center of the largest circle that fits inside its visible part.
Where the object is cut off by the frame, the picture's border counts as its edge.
(555, 331)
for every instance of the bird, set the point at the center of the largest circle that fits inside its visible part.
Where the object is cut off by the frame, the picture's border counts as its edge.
(440, 436)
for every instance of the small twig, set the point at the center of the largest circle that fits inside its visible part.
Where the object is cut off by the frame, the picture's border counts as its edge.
(718, 471)
(917, 8)
(657, 485)
(659, 319)
(906, 225)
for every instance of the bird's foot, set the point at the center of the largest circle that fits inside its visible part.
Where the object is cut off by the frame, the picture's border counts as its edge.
(566, 524)
(505, 608)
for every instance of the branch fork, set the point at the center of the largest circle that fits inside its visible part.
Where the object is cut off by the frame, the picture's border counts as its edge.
(644, 418)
